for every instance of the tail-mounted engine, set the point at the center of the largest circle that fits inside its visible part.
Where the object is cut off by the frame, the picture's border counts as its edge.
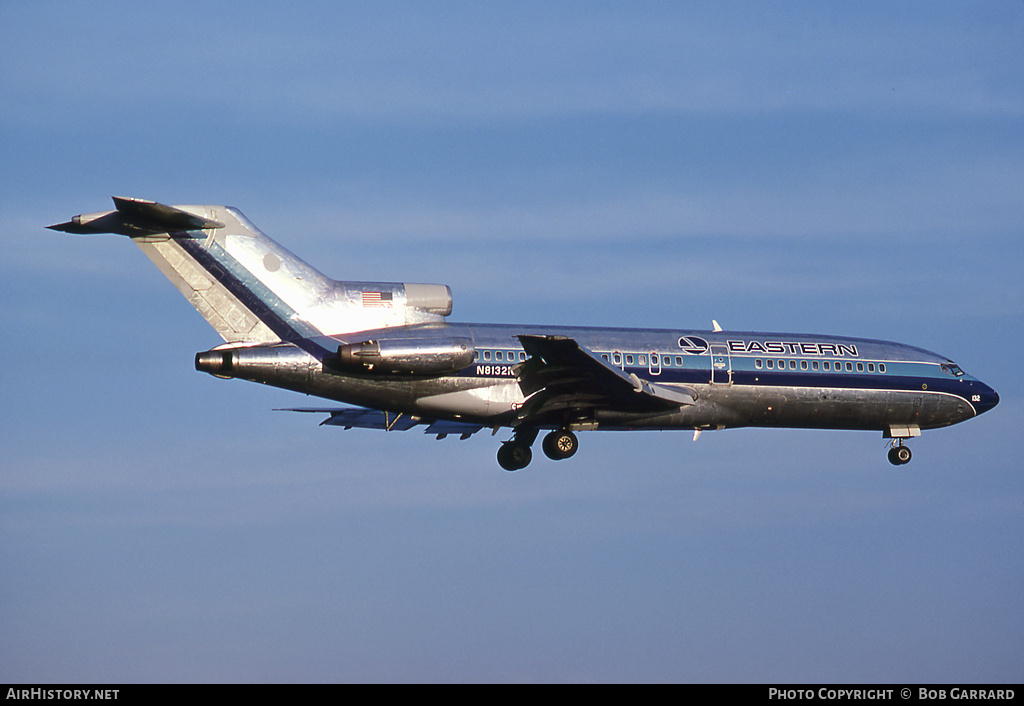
(406, 356)
(279, 364)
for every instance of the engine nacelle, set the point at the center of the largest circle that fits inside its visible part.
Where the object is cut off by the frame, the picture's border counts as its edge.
(407, 356)
(278, 364)
(433, 298)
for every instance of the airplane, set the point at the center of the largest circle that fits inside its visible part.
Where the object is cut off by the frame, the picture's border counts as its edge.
(388, 352)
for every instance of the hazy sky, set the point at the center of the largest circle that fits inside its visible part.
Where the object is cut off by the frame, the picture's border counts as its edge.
(840, 168)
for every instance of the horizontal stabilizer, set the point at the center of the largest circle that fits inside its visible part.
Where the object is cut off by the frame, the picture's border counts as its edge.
(136, 217)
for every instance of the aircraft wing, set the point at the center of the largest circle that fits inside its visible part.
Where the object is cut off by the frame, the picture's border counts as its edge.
(561, 374)
(349, 417)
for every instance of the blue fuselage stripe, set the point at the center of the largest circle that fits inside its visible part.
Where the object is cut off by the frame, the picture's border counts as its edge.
(683, 376)
(256, 302)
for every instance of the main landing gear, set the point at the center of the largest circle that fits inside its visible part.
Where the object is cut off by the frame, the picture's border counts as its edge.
(899, 454)
(516, 454)
(513, 455)
(560, 444)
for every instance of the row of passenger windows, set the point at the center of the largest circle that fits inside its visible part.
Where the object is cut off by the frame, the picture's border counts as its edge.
(836, 366)
(616, 358)
(827, 365)
(503, 356)
(641, 359)
(677, 361)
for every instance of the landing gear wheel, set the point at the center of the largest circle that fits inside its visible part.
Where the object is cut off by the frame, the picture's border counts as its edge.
(513, 456)
(559, 445)
(899, 455)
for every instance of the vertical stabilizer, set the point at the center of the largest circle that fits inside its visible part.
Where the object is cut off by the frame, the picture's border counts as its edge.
(249, 288)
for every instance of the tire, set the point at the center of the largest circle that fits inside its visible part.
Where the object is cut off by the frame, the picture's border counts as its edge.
(899, 455)
(559, 445)
(513, 456)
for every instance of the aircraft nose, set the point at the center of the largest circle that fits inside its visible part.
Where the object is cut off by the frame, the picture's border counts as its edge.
(983, 397)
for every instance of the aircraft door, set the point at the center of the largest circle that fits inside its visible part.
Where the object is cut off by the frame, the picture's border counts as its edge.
(654, 365)
(721, 364)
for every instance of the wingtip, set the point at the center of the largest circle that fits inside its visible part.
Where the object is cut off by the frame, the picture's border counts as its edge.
(130, 199)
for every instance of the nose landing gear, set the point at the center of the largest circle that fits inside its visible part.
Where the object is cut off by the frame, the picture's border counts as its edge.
(899, 454)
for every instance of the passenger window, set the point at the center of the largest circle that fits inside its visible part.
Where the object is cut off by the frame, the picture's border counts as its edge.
(814, 365)
(792, 365)
(666, 360)
(803, 365)
(522, 355)
(881, 367)
(629, 360)
(679, 361)
(487, 355)
(771, 364)
(871, 367)
(604, 357)
(849, 367)
(643, 360)
(757, 363)
(617, 358)
(825, 365)
(860, 367)
(497, 355)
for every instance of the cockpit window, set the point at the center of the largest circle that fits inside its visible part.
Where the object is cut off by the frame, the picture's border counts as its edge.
(952, 368)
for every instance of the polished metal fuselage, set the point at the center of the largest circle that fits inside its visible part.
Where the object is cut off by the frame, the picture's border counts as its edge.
(868, 384)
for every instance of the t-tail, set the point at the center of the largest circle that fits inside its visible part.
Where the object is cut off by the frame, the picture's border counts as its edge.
(249, 288)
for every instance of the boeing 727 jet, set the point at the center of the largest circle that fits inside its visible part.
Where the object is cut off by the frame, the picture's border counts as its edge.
(388, 352)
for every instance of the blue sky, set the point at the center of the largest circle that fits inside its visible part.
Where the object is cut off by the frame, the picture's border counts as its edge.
(817, 167)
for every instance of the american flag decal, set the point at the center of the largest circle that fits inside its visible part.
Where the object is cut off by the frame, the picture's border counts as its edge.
(376, 298)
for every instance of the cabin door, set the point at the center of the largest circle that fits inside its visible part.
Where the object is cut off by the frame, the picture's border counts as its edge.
(721, 364)
(654, 367)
